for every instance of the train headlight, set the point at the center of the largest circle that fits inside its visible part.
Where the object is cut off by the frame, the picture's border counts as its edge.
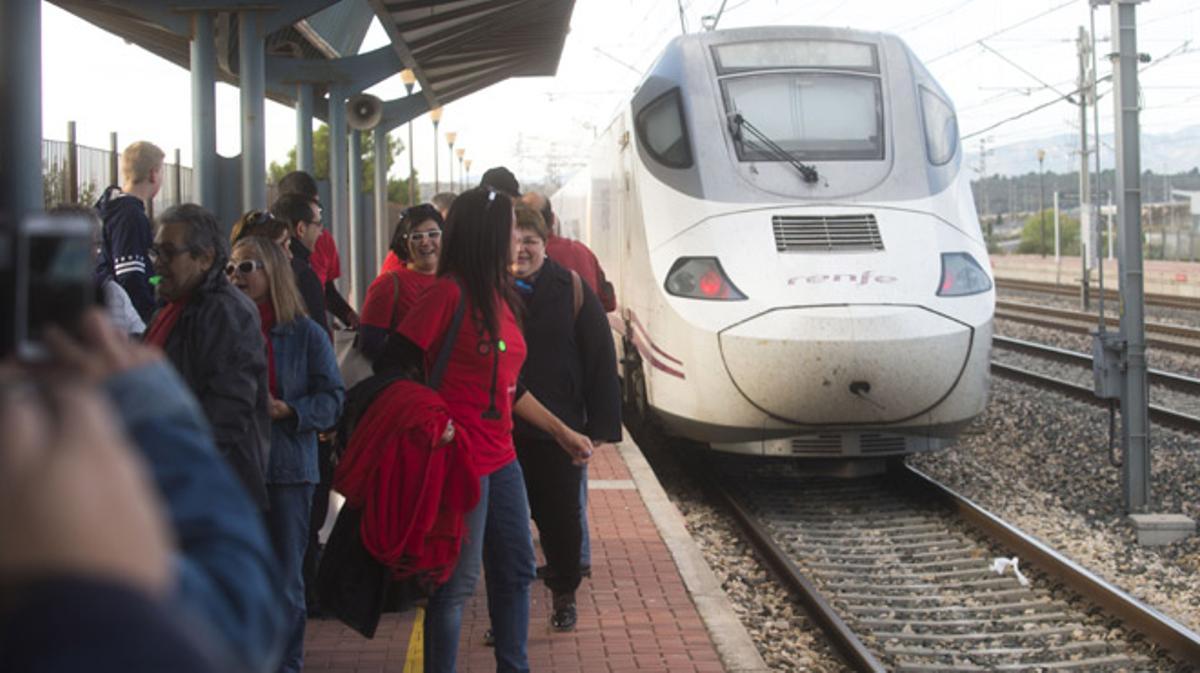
(962, 276)
(701, 278)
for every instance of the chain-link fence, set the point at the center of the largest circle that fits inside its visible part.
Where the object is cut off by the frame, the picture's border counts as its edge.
(95, 171)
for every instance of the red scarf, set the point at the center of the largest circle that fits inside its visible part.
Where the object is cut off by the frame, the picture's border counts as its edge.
(266, 315)
(415, 492)
(163, 322)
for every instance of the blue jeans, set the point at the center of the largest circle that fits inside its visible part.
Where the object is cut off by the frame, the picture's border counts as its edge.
(498, 537)
(287, 522)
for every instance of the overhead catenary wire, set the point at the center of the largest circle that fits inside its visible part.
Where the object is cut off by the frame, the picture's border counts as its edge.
(1177, 51)
(1001, 31)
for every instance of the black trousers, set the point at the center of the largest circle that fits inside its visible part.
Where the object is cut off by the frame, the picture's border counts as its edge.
(552, 484)
(320, 506)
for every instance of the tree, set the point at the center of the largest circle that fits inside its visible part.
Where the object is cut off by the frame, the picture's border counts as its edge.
(321, 159)
(1031, 234)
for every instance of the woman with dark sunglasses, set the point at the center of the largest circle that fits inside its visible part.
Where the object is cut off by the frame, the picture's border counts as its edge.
(306, 397)
(416, 247)
(261, 223)
(480, 387)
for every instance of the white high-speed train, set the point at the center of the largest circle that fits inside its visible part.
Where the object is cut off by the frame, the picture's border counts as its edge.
(798, 264)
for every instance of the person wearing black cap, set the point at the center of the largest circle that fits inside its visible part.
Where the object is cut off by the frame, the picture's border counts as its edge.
(502, 180)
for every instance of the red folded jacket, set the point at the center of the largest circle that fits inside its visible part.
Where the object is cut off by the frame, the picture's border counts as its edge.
(415, 493)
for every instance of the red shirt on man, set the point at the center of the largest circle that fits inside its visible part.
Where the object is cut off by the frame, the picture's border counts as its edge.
(577, 257)
(467, 385)
(324, 259)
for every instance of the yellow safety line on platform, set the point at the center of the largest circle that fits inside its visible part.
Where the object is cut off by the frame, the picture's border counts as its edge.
(414, 661)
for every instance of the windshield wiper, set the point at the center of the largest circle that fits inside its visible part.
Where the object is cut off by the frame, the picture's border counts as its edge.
(738, 123)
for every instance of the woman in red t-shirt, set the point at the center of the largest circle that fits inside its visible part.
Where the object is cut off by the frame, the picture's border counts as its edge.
(481, 389)
(416, 244)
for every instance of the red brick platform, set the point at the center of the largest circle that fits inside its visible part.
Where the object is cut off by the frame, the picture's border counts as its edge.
(635, 613)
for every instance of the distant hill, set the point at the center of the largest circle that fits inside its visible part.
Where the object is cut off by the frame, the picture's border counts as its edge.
(1175, 152)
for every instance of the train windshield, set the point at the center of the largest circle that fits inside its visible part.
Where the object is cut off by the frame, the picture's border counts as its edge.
(816, 99)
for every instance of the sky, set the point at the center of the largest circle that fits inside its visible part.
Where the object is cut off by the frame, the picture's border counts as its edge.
(996, 59)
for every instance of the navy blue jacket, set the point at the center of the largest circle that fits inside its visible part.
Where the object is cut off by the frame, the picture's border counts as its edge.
(571, 365)
(227, 574)
(124, 244)
(307, 378)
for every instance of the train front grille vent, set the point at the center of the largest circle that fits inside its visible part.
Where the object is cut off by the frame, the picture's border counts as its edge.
(872, 443)
(826, 233)
(817, 445)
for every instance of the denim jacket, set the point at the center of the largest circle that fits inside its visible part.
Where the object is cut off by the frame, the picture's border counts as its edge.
(227, 574)
(307, 378)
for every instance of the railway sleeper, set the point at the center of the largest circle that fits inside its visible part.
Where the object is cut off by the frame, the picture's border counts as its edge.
(933, 601)
(1113, 662)
(1020, 607)
(901, 574)
(929, 533)
(910, 549)
(985, 621)
(1045, 636)
(837, 523)
(894, 565)
(1078, 648)
(924, 587)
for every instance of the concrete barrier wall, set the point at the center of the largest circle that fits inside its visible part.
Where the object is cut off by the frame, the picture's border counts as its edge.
(1176, 278)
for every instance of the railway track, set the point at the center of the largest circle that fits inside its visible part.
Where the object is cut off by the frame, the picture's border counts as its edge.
(885, 565)
(1163, 300)
(1157, 377)
(1158, 335)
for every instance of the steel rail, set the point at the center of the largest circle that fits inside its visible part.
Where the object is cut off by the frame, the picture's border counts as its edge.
(857, 655)
(1029, 314)
(1166, 329)
(1163, 300)
(1160, 415)
(1183, 384)
(1159, 628)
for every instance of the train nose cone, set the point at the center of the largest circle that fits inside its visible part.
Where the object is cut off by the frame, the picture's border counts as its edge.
(846, 364)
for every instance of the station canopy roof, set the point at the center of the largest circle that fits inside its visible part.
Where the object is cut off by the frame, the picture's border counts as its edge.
(455, 47)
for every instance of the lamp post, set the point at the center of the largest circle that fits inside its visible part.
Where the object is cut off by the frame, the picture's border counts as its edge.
(436, 115)
(450, 138)
(1041, 155)
(467, 168)
(461, 177)
(409, 78)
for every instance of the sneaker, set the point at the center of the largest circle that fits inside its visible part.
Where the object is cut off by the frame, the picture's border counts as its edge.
(489, 638)
(564, 618)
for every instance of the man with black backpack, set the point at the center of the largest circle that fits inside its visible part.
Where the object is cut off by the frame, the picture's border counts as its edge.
(126, 236)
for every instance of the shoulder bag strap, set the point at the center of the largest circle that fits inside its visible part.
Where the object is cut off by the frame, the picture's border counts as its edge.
(395, 298)
(576, 293)
(443, 359)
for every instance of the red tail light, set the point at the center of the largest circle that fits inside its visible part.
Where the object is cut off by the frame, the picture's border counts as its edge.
(701, 278)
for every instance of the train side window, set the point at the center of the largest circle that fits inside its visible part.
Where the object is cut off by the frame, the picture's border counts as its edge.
(661, 129)
(941, 128)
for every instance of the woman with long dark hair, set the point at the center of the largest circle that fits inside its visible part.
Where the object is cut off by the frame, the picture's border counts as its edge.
(480, 386)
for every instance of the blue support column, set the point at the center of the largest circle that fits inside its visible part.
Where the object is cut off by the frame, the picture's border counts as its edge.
(382, 226)
(357, 260)
(20, 115)
(252, 75)
(336, 216)
(304, 132)
(204, 111)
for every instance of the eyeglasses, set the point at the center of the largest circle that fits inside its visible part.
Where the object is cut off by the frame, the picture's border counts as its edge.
(419, 236)
(245, 267)
(166, 253)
